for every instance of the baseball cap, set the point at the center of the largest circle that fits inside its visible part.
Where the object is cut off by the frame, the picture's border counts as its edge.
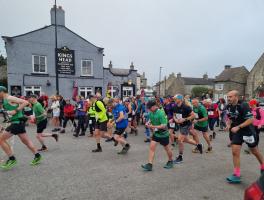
(178, 96)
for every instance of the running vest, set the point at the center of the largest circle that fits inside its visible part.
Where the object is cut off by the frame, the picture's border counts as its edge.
(18, 116)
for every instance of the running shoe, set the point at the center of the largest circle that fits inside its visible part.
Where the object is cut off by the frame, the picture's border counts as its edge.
(97, 150)
(195, 150)
(214, 135)
(209, 150)
(9, 164)
(169, 165)
(36, 160)
(233, 179)
(124, 150)
(62, 131)
(200, 148)
(178, 160)
(43, 149)
(56, 137)
(125, 135)
(147, 140)
(109, 140)
(82, 134)
(147, 167)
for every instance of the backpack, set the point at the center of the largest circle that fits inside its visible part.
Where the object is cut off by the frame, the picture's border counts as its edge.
(97, 109)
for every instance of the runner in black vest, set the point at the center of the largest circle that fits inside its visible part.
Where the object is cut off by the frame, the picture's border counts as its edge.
(241, 130)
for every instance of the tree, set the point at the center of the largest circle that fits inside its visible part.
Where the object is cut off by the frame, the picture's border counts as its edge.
(199, 91)
(2, 60)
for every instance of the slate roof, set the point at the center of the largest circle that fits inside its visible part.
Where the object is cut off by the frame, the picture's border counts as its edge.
(231, 74)
(45, 27)
(198, 81)
(119, 71)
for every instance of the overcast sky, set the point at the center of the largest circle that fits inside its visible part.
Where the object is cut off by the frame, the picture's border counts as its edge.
(188, 36)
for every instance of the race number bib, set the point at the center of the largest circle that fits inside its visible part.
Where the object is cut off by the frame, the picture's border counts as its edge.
(249, 139)
(172, 125)
(196, 116)
(90, 121)
(178, 116)
(210, 112)
(133, 112)
(156, 130)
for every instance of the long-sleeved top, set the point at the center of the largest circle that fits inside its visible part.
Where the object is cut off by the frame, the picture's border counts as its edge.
(258, 122)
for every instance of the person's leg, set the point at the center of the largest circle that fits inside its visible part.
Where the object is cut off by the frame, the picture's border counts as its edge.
(4, 145)
(169, 152)
(83, 125)
(77, 131)
(206, 137)
(181, 139)
(25, 139)
(255, 151)
(152, 149)
(236, 158)
(195, 135)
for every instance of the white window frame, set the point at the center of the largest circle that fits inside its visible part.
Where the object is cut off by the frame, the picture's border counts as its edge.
(32, 89)
(126, 89)
(91, 67)
(33, 69)
(219, 87)
(86, 90)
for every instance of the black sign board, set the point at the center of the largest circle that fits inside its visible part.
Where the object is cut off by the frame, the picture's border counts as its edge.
(65, 61)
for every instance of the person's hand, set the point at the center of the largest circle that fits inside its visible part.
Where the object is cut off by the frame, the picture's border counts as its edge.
(195, 121)
(259, 126)
(13, 112)
(180, 121)
(235, 129)
(171, 121)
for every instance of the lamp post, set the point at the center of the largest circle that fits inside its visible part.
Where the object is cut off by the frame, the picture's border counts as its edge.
(56, 47)
(160, 79)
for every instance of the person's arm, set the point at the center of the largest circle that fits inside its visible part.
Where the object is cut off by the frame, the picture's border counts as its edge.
(121, 117)
(101, 106)
(129, 109)
(21, 104)
(41, 109)
(205, 116)
(163, 123)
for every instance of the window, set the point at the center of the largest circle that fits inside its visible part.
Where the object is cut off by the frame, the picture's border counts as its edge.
(127, 91)
(39, 64)
(87, 67)
(85, 91)
(114, 91)
(29, 90)
(219, 87)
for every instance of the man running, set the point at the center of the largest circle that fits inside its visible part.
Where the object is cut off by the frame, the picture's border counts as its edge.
(183, 115)
(41, 121)
(14, 106)
(241, 130)
(121, 122)
(201, 123)
(158, 124)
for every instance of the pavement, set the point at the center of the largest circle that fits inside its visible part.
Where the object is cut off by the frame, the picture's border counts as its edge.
(70, 171)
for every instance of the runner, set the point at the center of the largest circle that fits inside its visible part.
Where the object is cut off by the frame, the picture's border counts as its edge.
(69, 114)
(241, 130)
(201, 123)
(121, 122)
(91, 116)
(158, 124)
(81, 114)
(213, 115)
(14, 107)
(183, 115)
(100, 124)
(40, 117)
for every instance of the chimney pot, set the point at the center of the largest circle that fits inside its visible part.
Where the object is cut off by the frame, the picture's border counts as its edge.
(60, 15)
(228, 66)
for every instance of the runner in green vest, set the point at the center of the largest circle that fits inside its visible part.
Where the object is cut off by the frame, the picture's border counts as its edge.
(41, 122)
(91, 115)
(14, 107)
(158, 124)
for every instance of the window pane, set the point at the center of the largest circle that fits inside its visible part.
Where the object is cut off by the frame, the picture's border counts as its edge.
(37, 93)
(36, 68)
(42, 60)
(36, 60)
(42, 68)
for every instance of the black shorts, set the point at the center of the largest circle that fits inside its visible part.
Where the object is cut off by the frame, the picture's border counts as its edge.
(16, 129)
(130, 117)
(248, 136)
(41, 126)
(102, 126)
(119, 131)
(201, 129)
(163, 141)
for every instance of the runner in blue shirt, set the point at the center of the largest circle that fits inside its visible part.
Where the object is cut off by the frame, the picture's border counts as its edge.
(121, 121)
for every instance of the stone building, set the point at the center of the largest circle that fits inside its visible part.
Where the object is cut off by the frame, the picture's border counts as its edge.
(182, 85)
(255, 80)
(32, 57)
(231, 78)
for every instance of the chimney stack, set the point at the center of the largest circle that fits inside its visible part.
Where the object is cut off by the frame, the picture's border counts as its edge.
(205, 76)
(132, 66)
(110, 65)
(179, 75)
(60, 15)
(228, 66)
